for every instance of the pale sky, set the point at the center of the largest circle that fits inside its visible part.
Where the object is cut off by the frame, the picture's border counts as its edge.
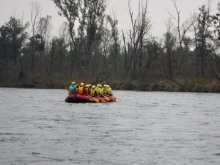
(157, 12)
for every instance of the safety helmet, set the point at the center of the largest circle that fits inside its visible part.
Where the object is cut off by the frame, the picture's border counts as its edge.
(87, 85)
(93, 87)
(73, 83)
(107, 86)
(100, 86)
(81, 84)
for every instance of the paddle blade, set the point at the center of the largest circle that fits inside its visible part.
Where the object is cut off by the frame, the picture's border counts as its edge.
(67, 88)
(119, 99)
(95, 99)
(103, 100)
(107, 98)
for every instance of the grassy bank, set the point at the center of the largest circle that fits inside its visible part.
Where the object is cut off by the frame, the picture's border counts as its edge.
(195, 85)
(177, 85)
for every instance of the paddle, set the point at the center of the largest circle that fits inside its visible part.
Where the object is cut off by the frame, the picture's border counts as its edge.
(102, 100)
(95, 99)
(119, 99)
(107, 98)
(67, 88)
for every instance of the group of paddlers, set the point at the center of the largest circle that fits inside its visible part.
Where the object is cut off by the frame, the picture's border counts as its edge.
(92, 90)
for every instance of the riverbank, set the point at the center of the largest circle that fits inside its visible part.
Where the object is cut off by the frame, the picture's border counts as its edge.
(198, 85)
(178, 85)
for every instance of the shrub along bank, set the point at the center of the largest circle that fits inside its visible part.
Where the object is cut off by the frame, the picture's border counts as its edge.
(180, 85)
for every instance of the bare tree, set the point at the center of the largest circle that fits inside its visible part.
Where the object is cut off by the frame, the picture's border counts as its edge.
(63, 32)
(169, 47)
(181, 29)
(44, 27)
(35, 14)
(115, 42)
(140, 26)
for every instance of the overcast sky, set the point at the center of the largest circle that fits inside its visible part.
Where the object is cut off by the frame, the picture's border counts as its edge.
(157, 11)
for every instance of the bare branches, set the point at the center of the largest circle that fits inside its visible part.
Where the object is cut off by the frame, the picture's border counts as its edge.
(141, 25)
(44, 27)
(182, 30)
(177, 11)
(137, 36)
(35, 13)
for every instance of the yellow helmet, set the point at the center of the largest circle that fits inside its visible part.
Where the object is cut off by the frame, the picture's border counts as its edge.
(100, 86)
(93, 87)
(81, 84)
(73, 83)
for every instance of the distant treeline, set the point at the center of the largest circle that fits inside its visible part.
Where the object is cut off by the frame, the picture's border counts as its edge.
(91, 48)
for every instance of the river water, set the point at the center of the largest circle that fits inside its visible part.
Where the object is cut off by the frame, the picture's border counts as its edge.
(149, 128)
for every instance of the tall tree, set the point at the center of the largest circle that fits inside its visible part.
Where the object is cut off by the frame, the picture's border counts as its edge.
(204, 37)
(182, 29)
(91, 22)
(35, 14)
(140, 26)
(57, 56)
(70, 10)
(4, 42)
(16, 40)
(90, 15)
(169, 47)
(4, 48)
(35, 11)
(216, 37)
(115, 44)
(44, 27)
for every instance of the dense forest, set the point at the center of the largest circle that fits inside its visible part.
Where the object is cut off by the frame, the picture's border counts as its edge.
(91, 48)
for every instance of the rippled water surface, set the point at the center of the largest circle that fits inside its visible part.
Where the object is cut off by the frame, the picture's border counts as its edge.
(158, 128)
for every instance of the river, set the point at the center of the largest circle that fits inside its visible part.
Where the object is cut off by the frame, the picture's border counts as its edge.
(148, 128)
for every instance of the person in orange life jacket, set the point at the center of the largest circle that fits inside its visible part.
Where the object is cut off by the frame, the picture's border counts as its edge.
(72, 88)
(88, 88)
(109, 90)
(93, 91)
(82, 89)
